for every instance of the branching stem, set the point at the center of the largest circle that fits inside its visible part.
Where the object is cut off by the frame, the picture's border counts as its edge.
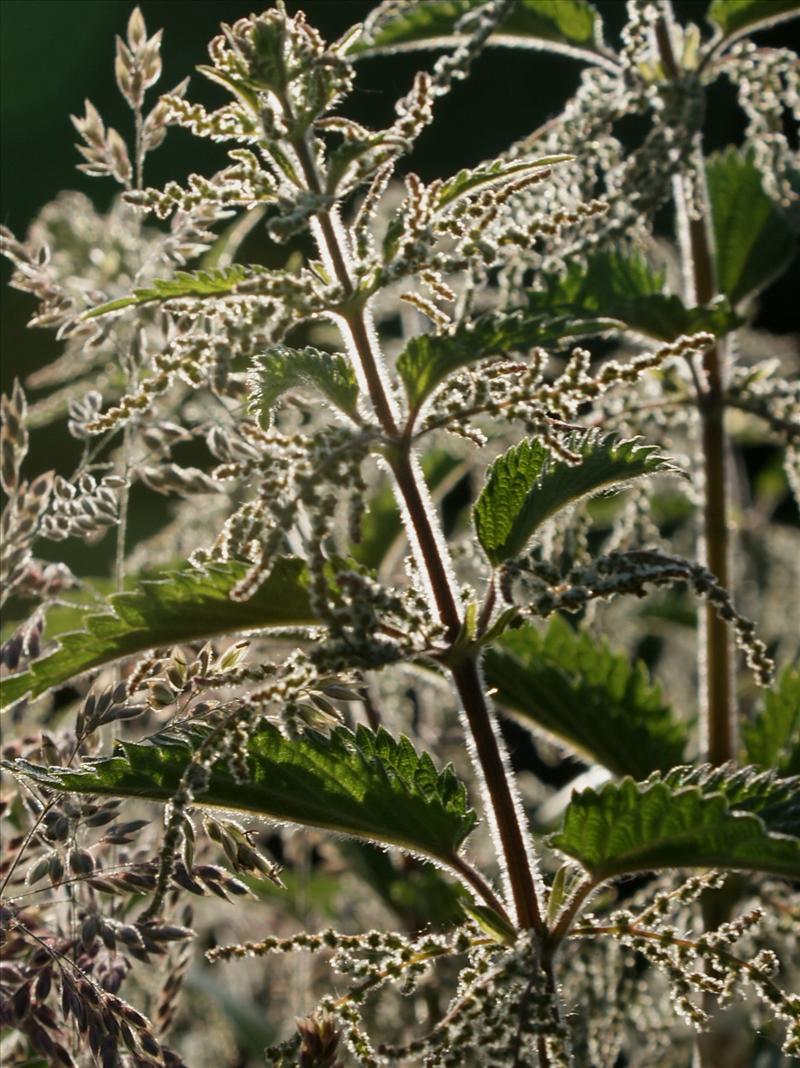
(504, 813)
(716, 662)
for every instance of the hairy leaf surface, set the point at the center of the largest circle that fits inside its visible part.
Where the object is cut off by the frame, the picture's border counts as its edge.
(574, 687)
(428, 359)
(754, 240)
(616, 291)
(735, 17)
(773, 739)
(283, 369)
(361, 784)
(570, 26)
(692, 818)
(528, 484)
(183, 606)
(209, 283)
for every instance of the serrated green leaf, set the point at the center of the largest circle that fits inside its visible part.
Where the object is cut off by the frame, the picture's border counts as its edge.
(693, 818)
(209, 283)
(486, 174)
(575, 688)
(282, 369)
(528, 484)
(569, 26)
(612, 290)
(773, 739)
(775, 798)
(428, 359)
(753, 239)
(184, 606)
(735, 17)
(359, 784)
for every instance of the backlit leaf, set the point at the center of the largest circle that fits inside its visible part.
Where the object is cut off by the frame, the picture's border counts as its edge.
(528, 484)
(753, 238)
(615, 291)
(184, 606)
(486, 174)
(283, 369)
(569, 26)
(360, 784)
(735, 17)
(209, 283)
(428, 359)
(692, 818)
(773, 739)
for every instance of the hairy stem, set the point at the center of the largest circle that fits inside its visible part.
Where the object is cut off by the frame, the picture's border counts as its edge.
(716, 653)
(466, 676)
(717, 705)
(432, 552)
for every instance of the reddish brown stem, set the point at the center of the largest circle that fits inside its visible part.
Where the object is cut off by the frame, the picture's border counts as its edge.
(466, 675)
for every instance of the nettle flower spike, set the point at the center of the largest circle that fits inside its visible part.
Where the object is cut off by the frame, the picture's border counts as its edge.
(458, 447)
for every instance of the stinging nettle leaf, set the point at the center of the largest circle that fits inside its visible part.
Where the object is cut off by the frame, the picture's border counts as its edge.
(184, 606)
(573, 687)
(692, 818)
(754, 240)
(360, 784)
(735, 17)
(775, 798)
(572, 27)
(208, 283)
(528, 484)
(283, 369)
(613, 291)
(772, 740)
(486, 174)
(428, 359)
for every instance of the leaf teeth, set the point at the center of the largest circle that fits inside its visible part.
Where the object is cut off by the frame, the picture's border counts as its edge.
(530, 483)
(361, 784)
(705, 816)
(283, 369)
(184, 284)
(183, 606)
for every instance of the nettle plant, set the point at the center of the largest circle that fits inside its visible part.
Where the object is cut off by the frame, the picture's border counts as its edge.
(274, 652)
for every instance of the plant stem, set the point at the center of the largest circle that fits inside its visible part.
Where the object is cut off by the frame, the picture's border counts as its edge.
(716, 651)
(466, 676)
(504, 813)
(720, 711)
(473, 878)
(717, 705)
